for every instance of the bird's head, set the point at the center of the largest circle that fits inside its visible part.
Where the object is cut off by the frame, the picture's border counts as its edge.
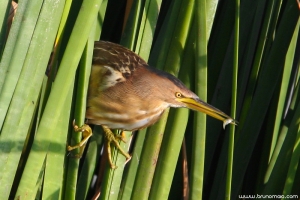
(178, 95)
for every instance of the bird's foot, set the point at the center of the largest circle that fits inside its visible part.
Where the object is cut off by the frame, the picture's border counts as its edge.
(86, 134)
(114, 138)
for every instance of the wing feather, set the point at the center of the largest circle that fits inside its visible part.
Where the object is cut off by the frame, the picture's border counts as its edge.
(117, 57)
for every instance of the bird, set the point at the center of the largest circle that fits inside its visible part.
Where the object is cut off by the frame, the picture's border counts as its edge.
(127, 94)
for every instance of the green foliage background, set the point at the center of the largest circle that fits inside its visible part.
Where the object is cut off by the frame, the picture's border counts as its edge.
(241, 57)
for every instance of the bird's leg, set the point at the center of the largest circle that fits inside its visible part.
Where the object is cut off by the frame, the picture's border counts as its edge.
(111, 137)
(86, 134)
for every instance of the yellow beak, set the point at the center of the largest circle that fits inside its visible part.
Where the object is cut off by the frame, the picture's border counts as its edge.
(201, 106)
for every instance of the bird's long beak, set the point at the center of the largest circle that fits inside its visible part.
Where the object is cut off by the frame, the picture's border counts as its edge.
(201, 106)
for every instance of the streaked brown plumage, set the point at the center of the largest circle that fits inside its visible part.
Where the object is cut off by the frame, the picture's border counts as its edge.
(126, 93)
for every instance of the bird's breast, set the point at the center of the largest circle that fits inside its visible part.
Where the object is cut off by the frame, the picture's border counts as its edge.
(123, 102)
(130, 117)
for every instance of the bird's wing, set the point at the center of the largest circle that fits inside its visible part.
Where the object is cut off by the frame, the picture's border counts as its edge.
(116, 57)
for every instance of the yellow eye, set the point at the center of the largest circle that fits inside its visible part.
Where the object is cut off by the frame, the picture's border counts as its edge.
(178, 95)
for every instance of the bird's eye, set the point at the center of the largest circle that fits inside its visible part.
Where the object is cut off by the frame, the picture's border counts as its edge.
(178, 95)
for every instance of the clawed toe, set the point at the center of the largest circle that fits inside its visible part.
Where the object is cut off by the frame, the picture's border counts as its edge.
(114, 138)
(86, 134)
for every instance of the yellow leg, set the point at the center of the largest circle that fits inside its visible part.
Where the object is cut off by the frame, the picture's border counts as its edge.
(111, 137)
(86, 134)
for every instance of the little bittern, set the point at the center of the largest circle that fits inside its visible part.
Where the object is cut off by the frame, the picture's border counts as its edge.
(126, 93)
